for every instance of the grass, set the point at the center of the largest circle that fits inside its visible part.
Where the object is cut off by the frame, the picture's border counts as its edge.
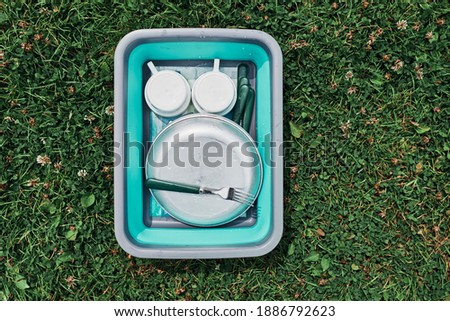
(366, 188)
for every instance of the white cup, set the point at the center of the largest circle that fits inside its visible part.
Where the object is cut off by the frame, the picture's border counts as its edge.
(167, 92)
(214, 92)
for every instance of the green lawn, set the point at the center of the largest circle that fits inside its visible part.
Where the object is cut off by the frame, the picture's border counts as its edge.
(367, 183)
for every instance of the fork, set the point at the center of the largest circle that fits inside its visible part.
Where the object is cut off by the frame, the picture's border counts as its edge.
(227, 193)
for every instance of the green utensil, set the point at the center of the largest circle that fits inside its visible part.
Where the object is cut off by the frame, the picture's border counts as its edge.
(242, 76)
(240, 103)
(227, 193)
(154, 183)
(243, 86)
(243, 81)
(248, 111)
(242, 71)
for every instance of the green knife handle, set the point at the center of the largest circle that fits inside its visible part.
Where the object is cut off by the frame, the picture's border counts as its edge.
(242, 71)
(158, 184)
(240, 103)
(243, 81)
(248, 111)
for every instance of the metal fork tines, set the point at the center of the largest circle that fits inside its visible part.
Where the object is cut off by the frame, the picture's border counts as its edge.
(230, 193)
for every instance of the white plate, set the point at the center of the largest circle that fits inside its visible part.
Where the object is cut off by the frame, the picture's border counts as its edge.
(239, 165)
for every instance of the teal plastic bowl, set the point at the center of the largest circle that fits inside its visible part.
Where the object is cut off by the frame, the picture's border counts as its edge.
(134, 51)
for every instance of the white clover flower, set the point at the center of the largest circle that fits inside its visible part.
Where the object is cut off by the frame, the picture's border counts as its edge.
(89, 118)
(33, 182)
(58, 166)
(419, 72)
(352, 90)
(43, 160)
(109, 110)
(402, 24)
(82, 173)
(398, 64)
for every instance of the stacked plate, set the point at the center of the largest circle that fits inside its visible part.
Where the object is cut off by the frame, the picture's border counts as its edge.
(235, 162)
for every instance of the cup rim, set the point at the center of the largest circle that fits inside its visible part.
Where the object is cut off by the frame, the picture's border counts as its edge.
(178, 110)
(195, 89)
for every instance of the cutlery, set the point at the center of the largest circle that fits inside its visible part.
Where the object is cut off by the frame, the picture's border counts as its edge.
(227, 193)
